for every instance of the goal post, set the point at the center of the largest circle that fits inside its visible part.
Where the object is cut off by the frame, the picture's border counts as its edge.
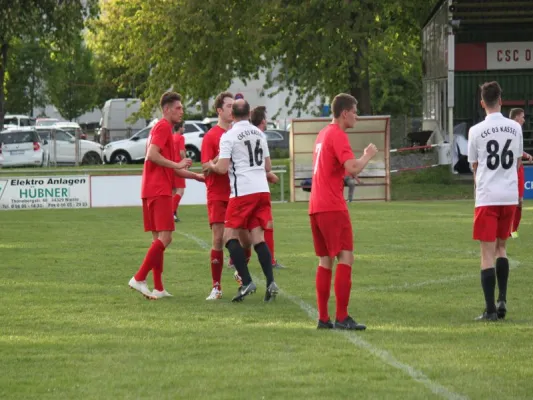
(375, 178)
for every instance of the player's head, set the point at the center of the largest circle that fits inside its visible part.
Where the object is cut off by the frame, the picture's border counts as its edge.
(240, 110)
(258, 117)
(518, 115)
(179, 128)
(344, 108)
(171, 107)
(491, 96)
(223, 103)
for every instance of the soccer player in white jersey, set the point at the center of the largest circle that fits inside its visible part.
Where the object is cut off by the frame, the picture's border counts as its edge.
(494, 149)
(244, 153)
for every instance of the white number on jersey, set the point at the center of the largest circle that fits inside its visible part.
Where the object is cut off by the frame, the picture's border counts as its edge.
(318, 147)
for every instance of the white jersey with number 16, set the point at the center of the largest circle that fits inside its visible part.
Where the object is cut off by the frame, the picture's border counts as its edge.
(496, 144)
(246, 147)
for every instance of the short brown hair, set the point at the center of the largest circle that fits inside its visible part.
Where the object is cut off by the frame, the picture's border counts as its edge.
(491, 92)
(219, 101)
(169, 98)
(178, 126)
(258, 115)
(241, 109)
(515, 112)
(342, 102)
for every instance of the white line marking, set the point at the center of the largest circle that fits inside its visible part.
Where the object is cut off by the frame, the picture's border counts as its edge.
(513, 264)
(385, 356)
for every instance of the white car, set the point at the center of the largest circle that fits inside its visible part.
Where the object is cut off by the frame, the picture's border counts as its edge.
(23, 147)
(64, 146)
(134, 149)
(71, 127)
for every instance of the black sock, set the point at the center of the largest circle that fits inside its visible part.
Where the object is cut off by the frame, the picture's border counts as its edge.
(488, 283)
(265, 259)
(239, 260)
(502, 273)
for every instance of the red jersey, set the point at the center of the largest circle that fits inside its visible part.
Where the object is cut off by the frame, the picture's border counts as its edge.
(217, 185)
(179, 145)
(332, 150)
(157, 180)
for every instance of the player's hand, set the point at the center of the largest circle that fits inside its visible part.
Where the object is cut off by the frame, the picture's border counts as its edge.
(272, 178)
(199, 178)
(371, 150)
(185, 163)
(529, 157)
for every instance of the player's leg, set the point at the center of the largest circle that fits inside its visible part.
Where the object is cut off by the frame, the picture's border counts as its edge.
(269, 239)
(485, 231)
(517, 217)
(323, 274)
(340, 242)
(216, 214)
(154, 255)
(164, 226)
(237, 214)
(265, 259)
(178, 194)
(246, 242)
(502, 262)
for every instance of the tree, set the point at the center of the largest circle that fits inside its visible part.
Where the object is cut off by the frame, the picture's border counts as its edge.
(26, 68)
(70, 83)
(56, 21)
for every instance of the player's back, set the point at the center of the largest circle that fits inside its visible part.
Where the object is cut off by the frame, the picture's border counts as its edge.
(332, 150)
(496, 145)
(247, 149)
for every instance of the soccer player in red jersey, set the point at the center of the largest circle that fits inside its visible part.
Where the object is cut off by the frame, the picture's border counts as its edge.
(244, 153)
(218, 190)
(330, 221)
(517, 114)
(179, 154)
(156, 193)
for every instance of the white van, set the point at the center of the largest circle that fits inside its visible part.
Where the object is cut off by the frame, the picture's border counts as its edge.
(18, 121)
(115, 124)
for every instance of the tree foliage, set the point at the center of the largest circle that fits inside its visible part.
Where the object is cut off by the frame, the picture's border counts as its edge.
(51, 21)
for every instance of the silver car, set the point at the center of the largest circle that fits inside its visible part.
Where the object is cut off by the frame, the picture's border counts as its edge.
(23, 147)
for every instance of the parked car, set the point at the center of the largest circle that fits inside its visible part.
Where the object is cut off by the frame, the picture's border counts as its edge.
(23, 147)
(17, 121)
(128, 150)
(65, 147)
(45, 121)
(277, 139)
(134, 149)
(71, 127)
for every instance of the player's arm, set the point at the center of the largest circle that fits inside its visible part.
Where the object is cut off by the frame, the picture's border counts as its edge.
(354, 166)
(272, 177)
(221, 165)
(472, 153)
(266, 155)
(154, 155)
(189, 175)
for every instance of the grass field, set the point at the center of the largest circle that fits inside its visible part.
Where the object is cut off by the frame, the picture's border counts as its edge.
(72, 329)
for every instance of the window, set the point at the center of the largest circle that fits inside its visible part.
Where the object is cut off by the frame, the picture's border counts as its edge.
(273, 136)
(19, 137)
(143, 134)
(61, 135)
(190, 128)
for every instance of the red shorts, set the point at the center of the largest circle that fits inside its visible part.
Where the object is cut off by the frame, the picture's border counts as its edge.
(157, 214)
(216, 211)
(249, 211)
(179, 182)
(491, 222)
(332, 232)
(521, 181)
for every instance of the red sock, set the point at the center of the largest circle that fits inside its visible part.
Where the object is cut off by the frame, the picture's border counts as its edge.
(343, 286)
(517, 218)
(157, 273)
(176, 202)
(248, 254)
(217, 264)
(323, 288)
(269, 239)
(152, 259)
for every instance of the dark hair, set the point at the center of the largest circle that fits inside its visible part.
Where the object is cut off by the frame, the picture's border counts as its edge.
(491, 92)
(258, 115)
(219, 101)
(515, 112)
(178, 126)
(169, 98)
(342, 102)
(241, 109)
